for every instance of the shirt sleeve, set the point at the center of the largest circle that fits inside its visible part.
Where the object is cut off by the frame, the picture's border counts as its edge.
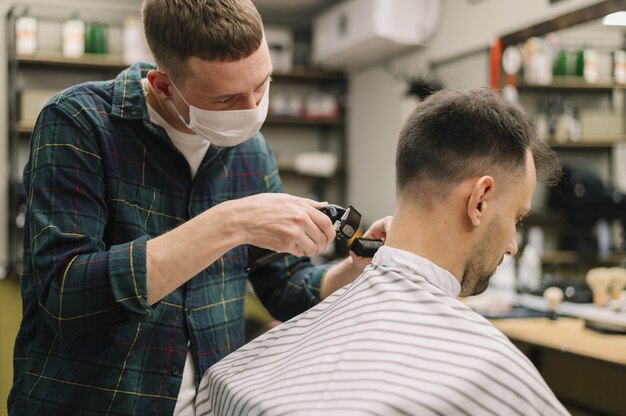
(81, 283)
(290, 285)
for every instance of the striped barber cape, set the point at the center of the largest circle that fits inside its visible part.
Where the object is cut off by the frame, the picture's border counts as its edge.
(394, 342)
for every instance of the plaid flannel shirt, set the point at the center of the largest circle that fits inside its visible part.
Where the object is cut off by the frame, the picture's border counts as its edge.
(102, 180)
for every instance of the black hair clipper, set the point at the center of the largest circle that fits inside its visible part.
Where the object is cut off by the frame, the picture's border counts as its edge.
(365, 247)
(345, 220)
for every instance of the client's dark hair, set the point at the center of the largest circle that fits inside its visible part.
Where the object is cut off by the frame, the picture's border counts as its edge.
(456, 134)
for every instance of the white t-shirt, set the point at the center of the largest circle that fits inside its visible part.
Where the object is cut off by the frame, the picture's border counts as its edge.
(396, 341)
(194, 148)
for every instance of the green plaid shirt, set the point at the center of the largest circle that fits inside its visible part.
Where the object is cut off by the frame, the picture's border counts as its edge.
(102, 180)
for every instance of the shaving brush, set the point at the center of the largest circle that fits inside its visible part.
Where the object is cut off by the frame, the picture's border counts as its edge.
(553, 296)
(618, 282)
(599, 280)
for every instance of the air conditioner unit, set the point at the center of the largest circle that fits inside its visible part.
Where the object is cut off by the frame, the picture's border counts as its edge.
(358, 32)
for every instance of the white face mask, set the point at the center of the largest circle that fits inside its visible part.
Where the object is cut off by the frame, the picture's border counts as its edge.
(226, 128)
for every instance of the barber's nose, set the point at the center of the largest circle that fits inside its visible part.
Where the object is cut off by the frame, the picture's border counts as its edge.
(251, 101)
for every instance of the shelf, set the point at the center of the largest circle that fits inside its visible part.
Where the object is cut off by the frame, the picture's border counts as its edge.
(25, 127)
(56, 59)
(301, 121)
(573, 257)
(287, 167)
(24, 70)
(588, 145)
(116, 62)
(572, 83)
(309, 74)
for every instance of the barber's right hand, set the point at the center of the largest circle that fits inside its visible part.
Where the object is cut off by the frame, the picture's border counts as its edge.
(283, 223)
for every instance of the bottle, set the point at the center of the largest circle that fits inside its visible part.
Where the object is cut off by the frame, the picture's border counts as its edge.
(96, 38)
(591, 66)
(580, 63)
(617, 234)
(535, 238)
(73, 37)
(560, 63)
(571, 122)
(602, 231)
(26, 34)
(541, 121)
(619, 66)
(554, 112)
(529, 269)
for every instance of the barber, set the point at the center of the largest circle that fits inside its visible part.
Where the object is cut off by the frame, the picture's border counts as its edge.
(143, 194)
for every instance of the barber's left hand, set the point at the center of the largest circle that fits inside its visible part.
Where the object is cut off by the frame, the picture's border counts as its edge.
(378, 230)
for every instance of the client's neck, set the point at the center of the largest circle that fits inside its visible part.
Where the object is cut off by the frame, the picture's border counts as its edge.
(429, 233)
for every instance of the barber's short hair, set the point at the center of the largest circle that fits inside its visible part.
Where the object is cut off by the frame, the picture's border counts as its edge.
(215, 30)
(457, 134)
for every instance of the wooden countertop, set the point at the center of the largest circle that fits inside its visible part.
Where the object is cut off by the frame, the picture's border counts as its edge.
(566, 334)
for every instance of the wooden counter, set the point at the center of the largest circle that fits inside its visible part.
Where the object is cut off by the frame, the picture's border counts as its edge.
(566, 335)
(586, 369)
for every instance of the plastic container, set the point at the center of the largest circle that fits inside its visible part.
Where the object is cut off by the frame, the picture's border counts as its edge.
(96, 38)
(26, 33)
(529, 269)
(619, 66)
(73, 38)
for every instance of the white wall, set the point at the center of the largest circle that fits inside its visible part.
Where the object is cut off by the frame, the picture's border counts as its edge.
(4, 162)
(374, 118)
(375, 102)
(467, 26)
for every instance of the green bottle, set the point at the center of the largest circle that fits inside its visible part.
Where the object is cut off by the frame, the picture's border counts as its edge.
(580, 63)
(96, 38)
(560, 63)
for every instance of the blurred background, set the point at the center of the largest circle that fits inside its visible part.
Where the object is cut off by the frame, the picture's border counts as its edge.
(347, 72)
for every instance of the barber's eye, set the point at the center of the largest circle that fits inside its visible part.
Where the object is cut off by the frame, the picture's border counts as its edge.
(225, 100)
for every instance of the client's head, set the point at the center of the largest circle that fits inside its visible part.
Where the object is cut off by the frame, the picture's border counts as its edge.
(467, 164)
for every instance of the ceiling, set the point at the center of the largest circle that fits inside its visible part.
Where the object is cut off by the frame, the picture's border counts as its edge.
(291, 11)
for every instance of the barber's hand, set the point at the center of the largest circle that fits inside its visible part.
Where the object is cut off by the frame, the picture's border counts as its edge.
(378, 230)
(284, 223)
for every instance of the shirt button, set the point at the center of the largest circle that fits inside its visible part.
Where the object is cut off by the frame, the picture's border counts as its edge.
(175, 371)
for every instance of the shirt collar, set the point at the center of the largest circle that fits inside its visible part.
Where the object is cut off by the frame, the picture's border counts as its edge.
(128, 97)
(433, 274)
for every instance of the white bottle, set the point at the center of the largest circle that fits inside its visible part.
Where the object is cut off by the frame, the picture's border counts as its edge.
(603, 235)
(619, 66)
(26, 35)
(529, 269)
(591, 68)
(73, 38)
(535, 238)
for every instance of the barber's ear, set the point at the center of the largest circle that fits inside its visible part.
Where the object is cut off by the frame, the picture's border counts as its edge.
(160, 83)
(480, 198)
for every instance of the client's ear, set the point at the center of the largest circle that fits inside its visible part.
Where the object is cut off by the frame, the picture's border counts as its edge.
(481, 195)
